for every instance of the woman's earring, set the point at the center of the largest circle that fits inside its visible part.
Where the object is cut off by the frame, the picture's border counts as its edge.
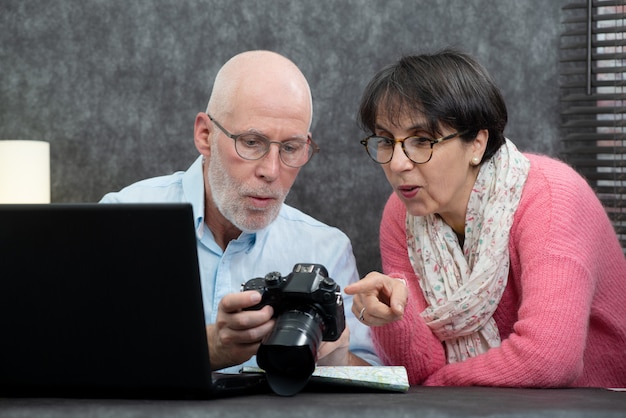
(475, 160)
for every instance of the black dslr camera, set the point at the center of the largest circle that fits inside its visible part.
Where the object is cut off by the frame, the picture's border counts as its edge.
(308, 308)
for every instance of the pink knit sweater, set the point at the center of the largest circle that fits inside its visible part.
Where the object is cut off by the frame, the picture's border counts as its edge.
(562, 318)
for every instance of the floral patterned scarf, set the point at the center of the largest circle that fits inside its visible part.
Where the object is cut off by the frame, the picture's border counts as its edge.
(463, 286)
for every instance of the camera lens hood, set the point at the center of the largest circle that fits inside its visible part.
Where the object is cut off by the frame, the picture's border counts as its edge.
(289, 352)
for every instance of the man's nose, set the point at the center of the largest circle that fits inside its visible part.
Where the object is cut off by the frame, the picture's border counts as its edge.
(270, 163)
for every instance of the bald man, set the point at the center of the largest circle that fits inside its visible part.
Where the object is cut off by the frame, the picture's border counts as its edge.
(253, 140)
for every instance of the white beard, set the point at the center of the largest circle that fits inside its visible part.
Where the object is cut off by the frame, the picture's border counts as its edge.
(227, 195)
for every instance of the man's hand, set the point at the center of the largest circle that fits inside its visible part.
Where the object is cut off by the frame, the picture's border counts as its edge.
(336, 353)
(236, 335)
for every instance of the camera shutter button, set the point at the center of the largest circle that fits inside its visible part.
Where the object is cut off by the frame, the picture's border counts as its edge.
(328, 283)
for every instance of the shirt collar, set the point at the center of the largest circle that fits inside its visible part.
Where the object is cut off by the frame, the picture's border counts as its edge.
(193, 189)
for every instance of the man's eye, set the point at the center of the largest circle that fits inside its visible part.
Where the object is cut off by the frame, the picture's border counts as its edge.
(293, 146)
(252, 141)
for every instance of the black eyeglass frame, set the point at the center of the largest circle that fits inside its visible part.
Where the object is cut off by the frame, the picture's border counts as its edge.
(365, 141)
(314, 148)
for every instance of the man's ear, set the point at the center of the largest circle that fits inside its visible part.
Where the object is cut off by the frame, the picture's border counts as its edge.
(202, 133)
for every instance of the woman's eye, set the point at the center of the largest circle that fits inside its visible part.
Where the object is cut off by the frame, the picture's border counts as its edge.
(418, 141)
(385, 142)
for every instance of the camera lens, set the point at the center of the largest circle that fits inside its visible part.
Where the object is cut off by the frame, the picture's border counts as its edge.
(289, 352)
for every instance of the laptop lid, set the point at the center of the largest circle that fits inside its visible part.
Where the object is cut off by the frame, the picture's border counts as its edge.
(103, 300)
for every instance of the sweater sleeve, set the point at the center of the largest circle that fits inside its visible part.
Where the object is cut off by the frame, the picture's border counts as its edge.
(409, 341)
(553, 242)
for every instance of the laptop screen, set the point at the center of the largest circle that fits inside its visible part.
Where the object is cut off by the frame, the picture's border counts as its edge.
(101, 300)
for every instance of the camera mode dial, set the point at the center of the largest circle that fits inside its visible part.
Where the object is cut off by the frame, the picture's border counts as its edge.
(273, 278)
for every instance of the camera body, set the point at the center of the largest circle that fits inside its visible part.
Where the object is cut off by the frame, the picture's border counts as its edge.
(308, 308)
(308, 285)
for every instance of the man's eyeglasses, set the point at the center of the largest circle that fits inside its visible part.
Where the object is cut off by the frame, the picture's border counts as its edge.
(417, 149)
(249, 146)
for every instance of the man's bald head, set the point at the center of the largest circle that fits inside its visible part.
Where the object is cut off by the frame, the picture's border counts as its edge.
(262, 79)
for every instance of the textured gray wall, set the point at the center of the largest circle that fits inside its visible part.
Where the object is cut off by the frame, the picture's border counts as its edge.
(115, 85)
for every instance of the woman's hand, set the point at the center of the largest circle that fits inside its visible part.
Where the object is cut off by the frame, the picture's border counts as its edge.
(378, 299)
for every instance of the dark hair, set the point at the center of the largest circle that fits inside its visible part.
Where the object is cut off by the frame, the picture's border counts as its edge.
(449, 88)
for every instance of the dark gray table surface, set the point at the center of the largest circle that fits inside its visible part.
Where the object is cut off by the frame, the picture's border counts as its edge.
(418, 402)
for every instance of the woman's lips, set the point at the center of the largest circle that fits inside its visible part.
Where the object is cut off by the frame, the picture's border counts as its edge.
(408, 191)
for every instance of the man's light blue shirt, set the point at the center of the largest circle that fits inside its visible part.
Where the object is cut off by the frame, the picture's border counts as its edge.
(292, 238)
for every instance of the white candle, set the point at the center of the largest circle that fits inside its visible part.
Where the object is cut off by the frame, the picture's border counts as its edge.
(24, 171)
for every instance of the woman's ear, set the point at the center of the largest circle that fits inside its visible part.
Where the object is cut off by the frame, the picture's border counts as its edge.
(479, 145)
(202, 133)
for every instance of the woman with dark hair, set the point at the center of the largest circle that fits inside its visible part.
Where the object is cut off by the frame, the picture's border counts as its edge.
(500, 268)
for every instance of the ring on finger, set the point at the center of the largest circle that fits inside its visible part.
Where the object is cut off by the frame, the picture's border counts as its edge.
(361, 314)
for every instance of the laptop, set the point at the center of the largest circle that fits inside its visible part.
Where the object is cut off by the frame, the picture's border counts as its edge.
(104, 300)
